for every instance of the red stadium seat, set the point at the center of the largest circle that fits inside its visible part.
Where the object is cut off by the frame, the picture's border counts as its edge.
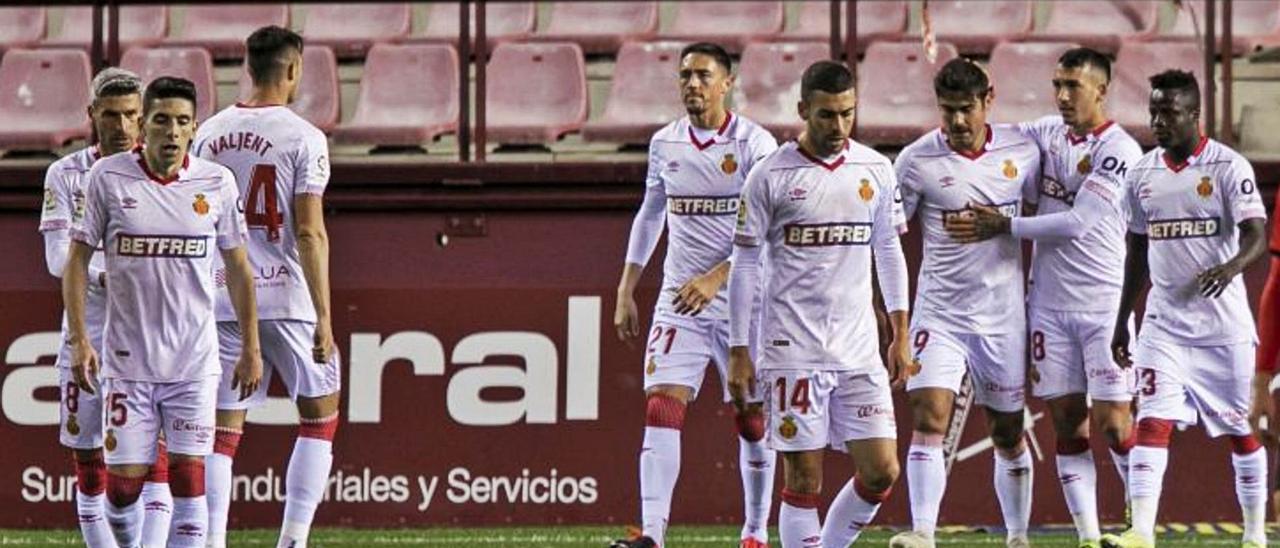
(643, 95)
(1253, 22)
(223, 29)
(408, 96)
(1130, 88)
(601, 27)
(895, 89)
(769, 83)
(504, 21)
(730, 24)
(318, 98)
(1022, 74)
(21, 27)
(882, 20)
(43, 95)
(1098, 25)
(976, 26)
(547, 99)
(139, 26)
(350, 29)
(194, 64)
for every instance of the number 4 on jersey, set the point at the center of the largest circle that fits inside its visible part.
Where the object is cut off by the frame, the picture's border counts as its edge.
(262, 208)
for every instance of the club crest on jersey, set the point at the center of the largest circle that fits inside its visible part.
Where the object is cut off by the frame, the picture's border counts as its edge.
(652, 367)
(1205, 188)
(865, 191)
(788, 428)
(110, 441)
(1085, 165)
(200, 206)
(77, 198)
(73, 427)
(729, 165)
(1009, 170)
(50, 203)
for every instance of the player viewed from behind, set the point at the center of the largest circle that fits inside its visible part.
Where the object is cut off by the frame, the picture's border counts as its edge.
(281, 166)
(820, 209)
(1196, 222)
(697, 166)
(160, 216)
(1076, 270)
(116, 107)
(969, 307)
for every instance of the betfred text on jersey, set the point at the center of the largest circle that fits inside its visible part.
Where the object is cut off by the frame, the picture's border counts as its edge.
(702, 205)
(1173, 229)
(189, 247)
(1009, 209)
(826, 234)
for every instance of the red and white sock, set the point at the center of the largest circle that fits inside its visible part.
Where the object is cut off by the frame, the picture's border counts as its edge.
(1147, 464)
(306, 478)
(659, 463)
(190, 509)
(756, 463)
(1249, 459)
(1013, 477)
(853, 508)
(926, 480)
(1079, 478)
(798, 522)
(157, 501)
(91, 484)
(124, 514)
(217, 483)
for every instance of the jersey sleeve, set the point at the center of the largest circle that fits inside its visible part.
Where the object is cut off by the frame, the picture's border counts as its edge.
(1031, 182)
(1107, 179)
(311, 175)
(760, 144)
(646, 228)
(908, 185)
(1137, 217)
(890, 262)
(58, 210)
(754, 210)
(92, 226)
(1241, 192)
(231, 228)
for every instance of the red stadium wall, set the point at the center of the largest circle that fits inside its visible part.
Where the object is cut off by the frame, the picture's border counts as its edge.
(437, 343)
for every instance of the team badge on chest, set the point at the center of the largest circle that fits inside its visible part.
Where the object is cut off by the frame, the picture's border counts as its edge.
(729, 165)
(200, 206)
(1009, 170)
(1205, 188)
(1084, 166)
(865, 191)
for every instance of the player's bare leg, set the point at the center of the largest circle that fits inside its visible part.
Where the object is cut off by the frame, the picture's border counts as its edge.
(756, 464)
(798, 521)
(218, 472)
(91, 483)
(1013, 473)
(1115, 420)
(157, 500)
(926, 467)
(309, 466)
(876, 469)
(124, 514)
(190, 509)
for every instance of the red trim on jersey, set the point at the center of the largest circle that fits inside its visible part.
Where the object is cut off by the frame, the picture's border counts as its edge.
(973, 155)
(1204, 142)
(701, 145)
(142, 161)
(242, 105)
(1077, 139)
(832, 165)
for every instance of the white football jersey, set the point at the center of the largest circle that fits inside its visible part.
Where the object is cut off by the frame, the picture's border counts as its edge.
(275, 156)
(1082, 274)
(1190, 214)
(818, 220)
(968, 287)
(64, 207)
(160, 237)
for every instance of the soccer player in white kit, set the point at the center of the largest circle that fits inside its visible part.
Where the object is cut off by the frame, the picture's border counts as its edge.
(969, 308)
(1196, 222)
(158, 214)
(1076, 272)
(821, 208)
(281, 166)
(116, 106)
(697, 166)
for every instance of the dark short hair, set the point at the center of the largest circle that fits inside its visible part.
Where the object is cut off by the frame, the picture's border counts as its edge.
(825, 76)
(1082, 57)
(266, 48)
(169, 87)
(714, 50)
(961, 76)
(1180, 81)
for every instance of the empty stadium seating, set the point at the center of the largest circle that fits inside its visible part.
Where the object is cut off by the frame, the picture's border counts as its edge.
(43, 95)
(1022, 74)
(21, 27)
(730, 24)
(882, 20)
(769, 83)
(976, 26)
(536, 92)
(194, 64)
(223, 29)
(1253, 22)
(600, 27)
(895, 90)
(1098, 25)
(1130, 89)
(408, 96)
(504, 21)
(318, 101)
(139, 26)
(350, 29)
(643, 96)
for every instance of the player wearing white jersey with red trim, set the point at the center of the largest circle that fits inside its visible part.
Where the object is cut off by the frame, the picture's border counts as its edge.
(820, 209)
(116, 106)
(969, 314)
(697, 166)
(281, 165)
(1076, 272)
(159, 215)
(1196, 222)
